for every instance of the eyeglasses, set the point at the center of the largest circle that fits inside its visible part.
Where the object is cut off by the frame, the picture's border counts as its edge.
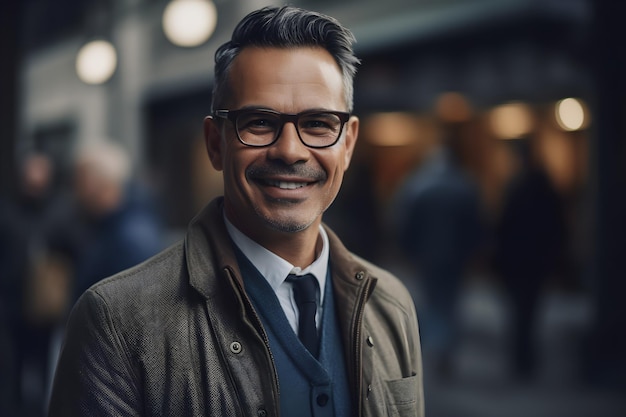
(262, 127)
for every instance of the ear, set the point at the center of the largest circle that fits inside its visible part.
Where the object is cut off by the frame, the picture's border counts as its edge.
(352, 133)
(213, 142)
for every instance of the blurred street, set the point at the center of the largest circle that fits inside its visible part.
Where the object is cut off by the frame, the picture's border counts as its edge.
(480, 383)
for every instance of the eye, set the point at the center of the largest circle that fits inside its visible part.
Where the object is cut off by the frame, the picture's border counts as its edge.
(257, 122)
(319, 123)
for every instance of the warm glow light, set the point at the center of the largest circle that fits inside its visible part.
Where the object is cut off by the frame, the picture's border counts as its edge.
(392, 129)
(570, 114)
(453, 108)
(511, 121)
(96, 62)
(189, 22)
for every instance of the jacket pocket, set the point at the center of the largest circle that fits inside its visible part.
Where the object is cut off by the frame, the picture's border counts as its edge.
(402, 397)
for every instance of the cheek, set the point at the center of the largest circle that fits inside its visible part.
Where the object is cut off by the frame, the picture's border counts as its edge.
(335, 168)
(336, 163)
(236, 162)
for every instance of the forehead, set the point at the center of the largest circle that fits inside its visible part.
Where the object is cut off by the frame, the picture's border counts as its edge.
(286, 79)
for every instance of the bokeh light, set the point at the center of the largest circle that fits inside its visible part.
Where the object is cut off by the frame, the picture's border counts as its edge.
(96, 62)
(511, 120)
(189, 23)
(570, 114)
(453, 107)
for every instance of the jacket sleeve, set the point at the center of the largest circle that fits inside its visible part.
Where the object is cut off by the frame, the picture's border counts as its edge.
(94, 376)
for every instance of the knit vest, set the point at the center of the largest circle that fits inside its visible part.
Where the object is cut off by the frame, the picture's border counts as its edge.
(308, 386)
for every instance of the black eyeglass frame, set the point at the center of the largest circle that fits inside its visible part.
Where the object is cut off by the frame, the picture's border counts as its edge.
(283, 118)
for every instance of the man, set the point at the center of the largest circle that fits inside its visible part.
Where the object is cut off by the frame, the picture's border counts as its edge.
(213, 326)
(38, 243)
(438, 220)
(122, 230)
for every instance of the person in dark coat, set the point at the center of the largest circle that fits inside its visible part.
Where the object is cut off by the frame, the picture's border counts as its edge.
(439, 225)
(530, 246)
(122, 227)
(39, 241)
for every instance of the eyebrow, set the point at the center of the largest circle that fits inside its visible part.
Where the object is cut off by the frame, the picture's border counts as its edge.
(313, 109)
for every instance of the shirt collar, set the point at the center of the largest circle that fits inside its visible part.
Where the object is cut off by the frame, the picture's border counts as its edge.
(274, 268)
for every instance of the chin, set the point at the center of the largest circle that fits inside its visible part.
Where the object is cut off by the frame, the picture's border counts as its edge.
(286, 224)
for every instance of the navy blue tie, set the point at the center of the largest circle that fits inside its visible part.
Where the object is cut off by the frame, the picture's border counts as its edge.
(305, 294)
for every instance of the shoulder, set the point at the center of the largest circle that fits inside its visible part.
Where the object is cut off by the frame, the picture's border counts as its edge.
(137, 306)
(389, 288)
(151, 282)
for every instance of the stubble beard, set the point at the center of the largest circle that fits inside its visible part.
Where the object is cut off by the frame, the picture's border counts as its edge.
(289, 224)
(285, 225)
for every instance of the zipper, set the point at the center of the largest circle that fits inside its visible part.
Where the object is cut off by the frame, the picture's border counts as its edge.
(364, 296)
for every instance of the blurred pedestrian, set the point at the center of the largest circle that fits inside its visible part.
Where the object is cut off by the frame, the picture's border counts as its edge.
(438, 218)
(529, 250)
(38, 243)
(122, 228)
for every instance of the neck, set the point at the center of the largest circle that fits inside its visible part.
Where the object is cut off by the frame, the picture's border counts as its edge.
(300, 249)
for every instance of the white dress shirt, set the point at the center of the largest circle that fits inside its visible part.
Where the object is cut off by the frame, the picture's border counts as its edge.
(276, 269)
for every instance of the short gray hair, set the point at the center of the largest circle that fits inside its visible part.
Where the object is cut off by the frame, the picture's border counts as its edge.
(286, 27)
(106, 159)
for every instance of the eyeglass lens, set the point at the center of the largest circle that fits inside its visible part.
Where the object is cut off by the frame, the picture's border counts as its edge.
(262, 128)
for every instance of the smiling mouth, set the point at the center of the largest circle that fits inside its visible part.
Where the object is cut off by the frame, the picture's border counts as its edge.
(286, 185)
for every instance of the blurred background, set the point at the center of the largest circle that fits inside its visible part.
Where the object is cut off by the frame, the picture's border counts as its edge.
(489, 176)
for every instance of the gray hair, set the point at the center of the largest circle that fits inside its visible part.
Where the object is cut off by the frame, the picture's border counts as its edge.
(106, 159)
(285, 27)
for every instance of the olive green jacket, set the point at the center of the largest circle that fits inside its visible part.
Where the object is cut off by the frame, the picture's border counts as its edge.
(178, 336)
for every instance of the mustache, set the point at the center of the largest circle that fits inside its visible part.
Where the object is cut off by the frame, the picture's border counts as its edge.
(282, 169)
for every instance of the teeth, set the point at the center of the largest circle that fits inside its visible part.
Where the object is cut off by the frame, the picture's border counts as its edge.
(287, 185)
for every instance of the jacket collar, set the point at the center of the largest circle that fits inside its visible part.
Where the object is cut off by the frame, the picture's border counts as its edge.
(209, 252)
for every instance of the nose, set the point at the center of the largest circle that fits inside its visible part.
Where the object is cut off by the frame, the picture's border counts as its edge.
(288, 147)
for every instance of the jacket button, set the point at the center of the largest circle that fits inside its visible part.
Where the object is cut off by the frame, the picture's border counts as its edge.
(236, 347)
(322, 400)
(370, 341)
(360, 275)
(261, 412)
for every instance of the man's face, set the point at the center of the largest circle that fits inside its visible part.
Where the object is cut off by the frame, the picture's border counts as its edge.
(287, 186)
